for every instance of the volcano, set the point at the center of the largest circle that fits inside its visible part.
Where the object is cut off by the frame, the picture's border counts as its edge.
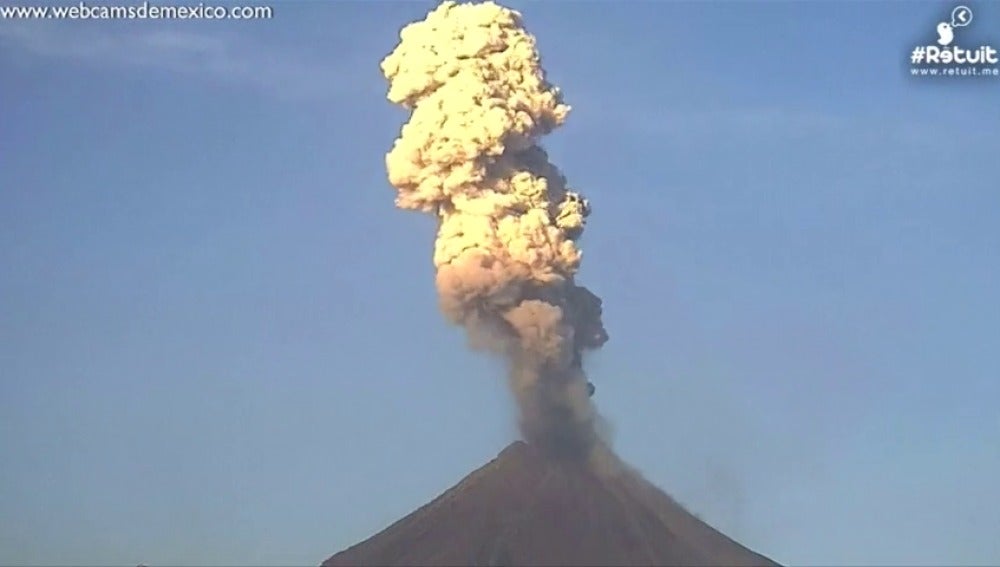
(528, 508)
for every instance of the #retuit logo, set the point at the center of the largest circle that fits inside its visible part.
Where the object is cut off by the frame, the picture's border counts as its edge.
(945, 57)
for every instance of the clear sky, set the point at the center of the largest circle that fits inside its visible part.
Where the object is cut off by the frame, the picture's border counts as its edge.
(220, 344)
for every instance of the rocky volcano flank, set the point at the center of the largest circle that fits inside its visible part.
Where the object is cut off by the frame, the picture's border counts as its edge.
(525, 508)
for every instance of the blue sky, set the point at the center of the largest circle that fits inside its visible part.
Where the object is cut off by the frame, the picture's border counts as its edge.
(219, 340)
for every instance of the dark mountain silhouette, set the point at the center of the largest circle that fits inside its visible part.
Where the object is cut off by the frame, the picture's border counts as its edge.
(526, 508)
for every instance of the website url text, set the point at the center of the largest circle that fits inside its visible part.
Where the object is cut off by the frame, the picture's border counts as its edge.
(143, 11)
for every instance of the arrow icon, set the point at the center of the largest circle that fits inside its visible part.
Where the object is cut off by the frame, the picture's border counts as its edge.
(961, 16)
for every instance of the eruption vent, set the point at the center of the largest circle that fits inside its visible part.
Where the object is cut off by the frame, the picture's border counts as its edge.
(506, 250)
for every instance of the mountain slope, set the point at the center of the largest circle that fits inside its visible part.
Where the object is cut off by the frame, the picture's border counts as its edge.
(524, 508)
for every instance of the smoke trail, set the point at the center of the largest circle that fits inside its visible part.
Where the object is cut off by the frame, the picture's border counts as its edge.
(505, 251)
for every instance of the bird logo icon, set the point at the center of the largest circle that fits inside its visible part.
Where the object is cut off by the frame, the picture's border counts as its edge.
(946, 35)
(961, 16)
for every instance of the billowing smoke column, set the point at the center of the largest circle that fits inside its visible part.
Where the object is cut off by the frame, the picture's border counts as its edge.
(505, 251)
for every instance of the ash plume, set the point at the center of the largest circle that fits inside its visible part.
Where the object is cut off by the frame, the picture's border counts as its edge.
(506, 252)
